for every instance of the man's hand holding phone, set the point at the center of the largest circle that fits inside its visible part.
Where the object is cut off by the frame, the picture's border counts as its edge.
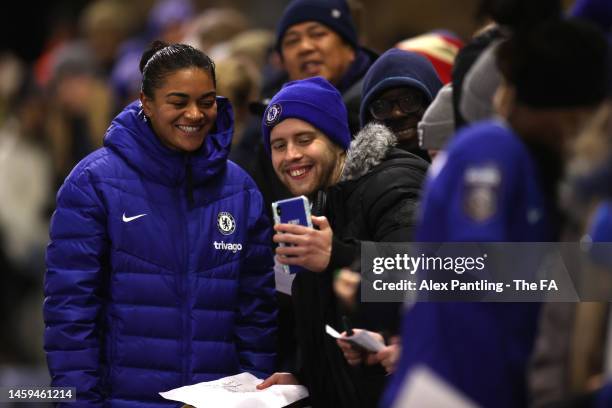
(304, 246)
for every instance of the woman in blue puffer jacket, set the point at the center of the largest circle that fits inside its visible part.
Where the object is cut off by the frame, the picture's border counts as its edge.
(159, 270)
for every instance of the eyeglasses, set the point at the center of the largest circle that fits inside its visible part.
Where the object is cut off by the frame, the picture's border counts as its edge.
(382, 109)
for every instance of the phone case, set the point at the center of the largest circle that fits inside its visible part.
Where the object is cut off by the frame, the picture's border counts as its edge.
(294, 210)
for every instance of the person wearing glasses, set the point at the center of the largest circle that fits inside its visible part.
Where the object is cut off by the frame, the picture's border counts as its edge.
(397, 89)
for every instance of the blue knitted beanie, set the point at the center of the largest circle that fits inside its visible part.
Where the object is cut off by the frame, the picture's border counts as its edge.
(313, 100)
(394, 69)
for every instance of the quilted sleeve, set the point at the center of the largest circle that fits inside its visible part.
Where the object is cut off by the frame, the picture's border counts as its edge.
(74, 291)
(256, 325)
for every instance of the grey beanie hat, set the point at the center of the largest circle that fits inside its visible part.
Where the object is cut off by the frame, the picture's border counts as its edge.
(480, 85)
(438, 122)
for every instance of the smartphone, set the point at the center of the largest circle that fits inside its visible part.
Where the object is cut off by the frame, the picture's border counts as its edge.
(294, 210)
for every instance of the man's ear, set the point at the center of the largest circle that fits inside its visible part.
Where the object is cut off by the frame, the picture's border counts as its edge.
(504, 99)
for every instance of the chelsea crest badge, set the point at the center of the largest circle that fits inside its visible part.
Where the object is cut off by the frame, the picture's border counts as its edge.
(273, 114)
(226, 223)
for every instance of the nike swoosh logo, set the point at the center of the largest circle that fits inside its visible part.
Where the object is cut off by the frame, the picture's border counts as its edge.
(128, 219)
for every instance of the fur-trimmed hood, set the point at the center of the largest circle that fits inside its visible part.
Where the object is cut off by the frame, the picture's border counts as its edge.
(369, 148)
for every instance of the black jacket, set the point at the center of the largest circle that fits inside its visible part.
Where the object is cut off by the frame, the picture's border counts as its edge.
(375, 200)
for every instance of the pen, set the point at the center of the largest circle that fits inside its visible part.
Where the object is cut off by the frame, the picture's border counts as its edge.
(347, 326)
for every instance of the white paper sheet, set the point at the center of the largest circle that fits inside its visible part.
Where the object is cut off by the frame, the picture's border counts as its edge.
(283, 279)
(425, 389)
(237, 391)
(361, 338)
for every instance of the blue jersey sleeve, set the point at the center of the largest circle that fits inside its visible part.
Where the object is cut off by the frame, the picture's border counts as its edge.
(469, 190)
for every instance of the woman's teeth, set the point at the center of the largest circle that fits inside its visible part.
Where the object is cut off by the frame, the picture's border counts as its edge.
(188, 128)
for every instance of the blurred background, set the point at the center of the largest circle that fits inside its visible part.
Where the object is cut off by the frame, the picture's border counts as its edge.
(67, 67)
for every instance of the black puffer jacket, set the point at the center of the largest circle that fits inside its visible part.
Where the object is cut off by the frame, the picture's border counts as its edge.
(375, 200)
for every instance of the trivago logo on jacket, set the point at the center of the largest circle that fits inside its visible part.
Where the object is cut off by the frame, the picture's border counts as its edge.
(230, 246)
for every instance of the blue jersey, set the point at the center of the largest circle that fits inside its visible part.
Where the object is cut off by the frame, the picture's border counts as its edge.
(601, 231)
(484, 189)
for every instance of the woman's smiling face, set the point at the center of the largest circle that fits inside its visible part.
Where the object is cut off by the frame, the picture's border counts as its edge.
(183, 110)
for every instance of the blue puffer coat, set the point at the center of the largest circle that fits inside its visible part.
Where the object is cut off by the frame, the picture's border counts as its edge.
(159, 270)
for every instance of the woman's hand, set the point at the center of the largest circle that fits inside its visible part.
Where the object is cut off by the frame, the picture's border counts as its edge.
(278, 378)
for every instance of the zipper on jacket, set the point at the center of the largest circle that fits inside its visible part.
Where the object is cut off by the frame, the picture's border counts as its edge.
(184, 292)
(189, 182)
(187, 203)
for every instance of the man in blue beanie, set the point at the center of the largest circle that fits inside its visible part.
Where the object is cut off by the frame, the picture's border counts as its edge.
(313, 37)
(365, 193)
(397, 90)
